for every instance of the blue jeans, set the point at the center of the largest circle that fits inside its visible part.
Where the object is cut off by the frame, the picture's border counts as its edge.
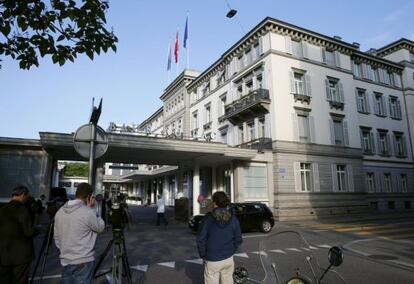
(78, 273)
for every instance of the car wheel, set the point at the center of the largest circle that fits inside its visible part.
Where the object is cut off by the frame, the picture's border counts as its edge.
(266, 227)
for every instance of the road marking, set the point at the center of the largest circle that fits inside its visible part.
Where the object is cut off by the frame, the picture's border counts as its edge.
(143, 268)
(324, 246)
(48, 277)
(242, 255)
(278, 250)
(314, 248)
(307, 249)
(294, 249)
(196, 261)
(167, 264)
(254, 236)
(259, 252)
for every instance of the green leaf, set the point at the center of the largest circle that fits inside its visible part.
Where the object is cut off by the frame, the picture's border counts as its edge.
(113, 47)
(61, 61)
(6, 29)
(55, 58)
(61, 37)
(89, 54)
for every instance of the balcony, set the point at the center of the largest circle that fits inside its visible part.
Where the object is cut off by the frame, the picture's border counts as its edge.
(251, 105)
(258, 144)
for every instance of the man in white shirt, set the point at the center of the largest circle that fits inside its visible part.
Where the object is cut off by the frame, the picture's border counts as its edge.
(161, 210)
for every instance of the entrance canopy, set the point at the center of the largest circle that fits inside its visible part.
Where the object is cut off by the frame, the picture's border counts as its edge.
(134, 149)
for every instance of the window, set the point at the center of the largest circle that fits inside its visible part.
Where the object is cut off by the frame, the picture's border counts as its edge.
(239, 90)
(259, 81)
(240, 63)
(251, 132)
(357, 70)
(383, 143)
(367, 71)
(376, 75)
(296, 48)
(241, 134)
(379, 102)
(404, 183)
(195, 120)
(248, 55)
(249, 86)
(367, 141)
(223, 135)
(334, 91)
(208, 113)
(362, 101)
(257, 50)
(371, 182)
(395, 107)
(329, 57)
(299, 83)
(390, 79)
(261, 127)
(412, 56)
(304, 133)
(339, 132)
(255, 183)
(387, 182)
(399, 144)
(222, 108)
(305, 177)
(206, 88)
(340, 177)
(221, 76)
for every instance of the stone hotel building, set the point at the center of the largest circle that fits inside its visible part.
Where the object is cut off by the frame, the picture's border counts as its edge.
(330, 126)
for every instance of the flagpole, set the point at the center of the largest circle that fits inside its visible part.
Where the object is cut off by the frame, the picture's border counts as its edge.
(188, 46)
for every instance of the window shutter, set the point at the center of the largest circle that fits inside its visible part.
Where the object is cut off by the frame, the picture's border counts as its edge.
(384, 105)
(392, 114)
(312, 129)
(369, 70)
(379, 143)
(367, 102)
(387, 139)
(292, 82)
(328, 93)
(334, 183)
(308, 90)
(288, 44)
(296, 172)
(394, 143)
(399, 114)
(359, 107)
(331, 126)
(295, 127)
(315, 177)
(323, 54)
(305, 49)
(404, 146)
(346, 135)
(375, 104)
(397, 80)
(341, 92)
(372, 142)
(338, 59)
(350, 178)
(361, 136)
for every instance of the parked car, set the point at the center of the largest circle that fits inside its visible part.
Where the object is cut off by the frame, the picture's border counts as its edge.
(252, 216)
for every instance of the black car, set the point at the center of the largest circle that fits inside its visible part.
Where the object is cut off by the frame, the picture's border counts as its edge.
(252, 216)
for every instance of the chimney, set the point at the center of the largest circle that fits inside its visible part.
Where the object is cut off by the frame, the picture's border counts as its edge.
(356, 44)
(337, 37)
(372, 51)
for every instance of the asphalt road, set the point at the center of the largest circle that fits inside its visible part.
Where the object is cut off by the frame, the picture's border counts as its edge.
(377, 251)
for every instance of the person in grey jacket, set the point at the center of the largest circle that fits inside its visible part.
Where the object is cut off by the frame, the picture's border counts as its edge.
(75, 231)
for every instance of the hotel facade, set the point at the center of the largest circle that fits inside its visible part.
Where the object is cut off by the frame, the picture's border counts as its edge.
(322, 128)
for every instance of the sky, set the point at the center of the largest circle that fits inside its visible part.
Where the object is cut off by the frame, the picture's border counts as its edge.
(51, 98)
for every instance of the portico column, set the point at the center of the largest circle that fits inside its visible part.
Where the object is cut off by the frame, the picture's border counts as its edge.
(166, 191)
(231, 182)
(213, 179)
(196, 189)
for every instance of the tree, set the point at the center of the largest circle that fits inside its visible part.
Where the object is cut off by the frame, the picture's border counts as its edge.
(76, 170)
(61, 29)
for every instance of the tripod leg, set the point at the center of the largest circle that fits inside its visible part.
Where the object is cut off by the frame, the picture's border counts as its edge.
(42, 248)
(102, 257)
(126, 262)
(49, 241)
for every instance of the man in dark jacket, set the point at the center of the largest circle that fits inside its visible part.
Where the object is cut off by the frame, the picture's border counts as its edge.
(219, 238)
(16, 238)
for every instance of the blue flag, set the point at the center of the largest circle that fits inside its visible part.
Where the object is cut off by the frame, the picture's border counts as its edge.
(185, 33)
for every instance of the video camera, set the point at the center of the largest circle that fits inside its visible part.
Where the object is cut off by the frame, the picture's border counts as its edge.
(57, 199)
(117, 214)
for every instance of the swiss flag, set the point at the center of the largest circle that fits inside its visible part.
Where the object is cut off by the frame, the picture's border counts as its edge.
(176, 48)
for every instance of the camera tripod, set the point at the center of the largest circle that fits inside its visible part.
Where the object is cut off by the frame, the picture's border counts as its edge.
(120, 264)
(44, 249)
